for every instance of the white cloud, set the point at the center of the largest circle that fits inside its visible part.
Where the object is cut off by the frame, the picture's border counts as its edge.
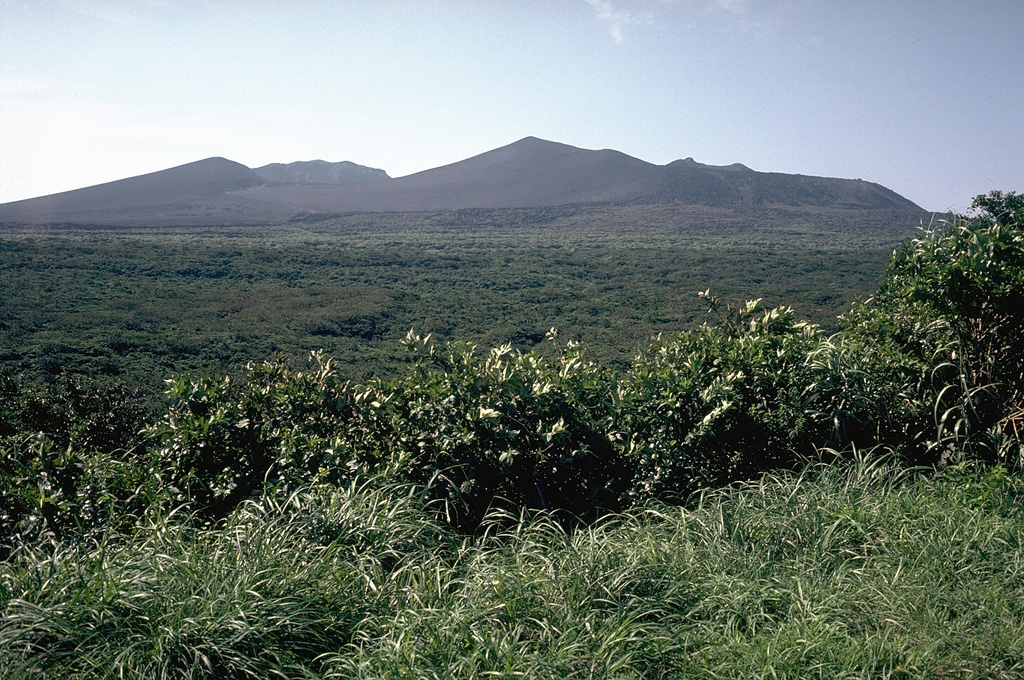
(734, 7)
(761, 18)
(615, 19)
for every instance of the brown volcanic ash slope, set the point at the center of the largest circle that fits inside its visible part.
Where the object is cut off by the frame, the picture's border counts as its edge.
(526, 174)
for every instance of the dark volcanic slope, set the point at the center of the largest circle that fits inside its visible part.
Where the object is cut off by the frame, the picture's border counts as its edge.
(690, 182)
(529, 173)
(319, 172)
(185, 192)
(534, 173)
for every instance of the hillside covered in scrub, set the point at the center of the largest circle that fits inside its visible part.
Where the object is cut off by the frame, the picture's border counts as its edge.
(751, 497)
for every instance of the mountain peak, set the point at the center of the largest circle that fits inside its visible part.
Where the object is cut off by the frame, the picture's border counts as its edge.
(530, 140)
(319, 172)
(532, 146)
(529, 173)
(688, 162)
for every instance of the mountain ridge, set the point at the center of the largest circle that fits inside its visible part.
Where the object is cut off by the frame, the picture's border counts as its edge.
(528, 173)
(319, 172)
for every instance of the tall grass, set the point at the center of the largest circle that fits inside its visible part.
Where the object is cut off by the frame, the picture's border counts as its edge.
(265, 595)
(844, 571)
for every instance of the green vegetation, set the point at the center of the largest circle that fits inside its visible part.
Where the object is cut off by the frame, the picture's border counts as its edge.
(139, 305)
(750, 497)
(857, 572)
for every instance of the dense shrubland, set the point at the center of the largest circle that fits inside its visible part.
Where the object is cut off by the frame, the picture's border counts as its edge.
(537, 512)
(139, 305)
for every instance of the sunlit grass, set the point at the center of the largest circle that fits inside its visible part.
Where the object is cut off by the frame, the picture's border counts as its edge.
(862, 571)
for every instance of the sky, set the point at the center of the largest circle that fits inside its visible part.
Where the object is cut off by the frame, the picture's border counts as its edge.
(922, 96)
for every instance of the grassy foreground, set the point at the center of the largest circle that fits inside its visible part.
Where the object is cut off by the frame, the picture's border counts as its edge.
(854, 570)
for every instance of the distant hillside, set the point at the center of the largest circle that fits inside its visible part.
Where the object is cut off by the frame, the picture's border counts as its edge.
(186, 190)
(529, 173)
(319, 172)
(690, 182)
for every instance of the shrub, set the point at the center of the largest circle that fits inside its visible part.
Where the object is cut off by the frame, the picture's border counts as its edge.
(508, 429)
(947, 326)
(222, 441)
(72, 411)
(719, 403)
(72, 460)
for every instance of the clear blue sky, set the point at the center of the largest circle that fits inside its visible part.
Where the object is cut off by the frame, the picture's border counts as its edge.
(923, 96)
